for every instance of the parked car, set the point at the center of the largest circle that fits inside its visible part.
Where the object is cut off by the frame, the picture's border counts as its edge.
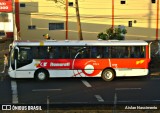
(3, 35)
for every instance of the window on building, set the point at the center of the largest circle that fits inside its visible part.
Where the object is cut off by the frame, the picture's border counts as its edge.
(70, 3)
(129, 23)
(123, 2)
(31, 27)
(4, 17)
(22, 5)
(56, 26)
(153, 1)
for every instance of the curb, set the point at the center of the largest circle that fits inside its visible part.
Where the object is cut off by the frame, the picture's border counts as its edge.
(155, 74)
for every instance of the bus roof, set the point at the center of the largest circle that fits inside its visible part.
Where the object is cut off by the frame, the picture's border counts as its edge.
(81, 43)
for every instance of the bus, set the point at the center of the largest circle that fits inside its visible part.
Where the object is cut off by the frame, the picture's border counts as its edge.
(85, 58)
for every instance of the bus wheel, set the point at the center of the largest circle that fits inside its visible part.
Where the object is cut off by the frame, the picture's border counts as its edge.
(41, 75)
(108, 75)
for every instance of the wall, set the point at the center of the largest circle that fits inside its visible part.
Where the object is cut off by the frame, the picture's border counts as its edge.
(95, 15)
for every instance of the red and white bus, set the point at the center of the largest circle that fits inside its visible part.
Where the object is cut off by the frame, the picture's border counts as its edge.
(87, 58)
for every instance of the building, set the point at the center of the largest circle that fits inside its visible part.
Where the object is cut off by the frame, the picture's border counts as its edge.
(37, 17)
(6, 17)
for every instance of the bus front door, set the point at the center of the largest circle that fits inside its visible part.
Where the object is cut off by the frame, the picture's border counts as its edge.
(16, 51)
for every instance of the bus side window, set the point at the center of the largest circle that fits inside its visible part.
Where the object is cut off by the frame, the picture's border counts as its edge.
(142, 52)
(99, 52)
(42, 52)
(86, 53)
(66, 52)
(93, 52)
(106, 52)
(121, 51)
(137, 52)
(126, 52)
(132, 51)
(22, 55)
(35, 52)
(57, 53)
(51, 53)
(61, 52)
(113, 52)
(72, 52)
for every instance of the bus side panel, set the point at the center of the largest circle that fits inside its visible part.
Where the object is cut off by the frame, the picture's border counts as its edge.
(137, 63)
(69, 67)
(94, 67)
(131, 72)
(70, 73)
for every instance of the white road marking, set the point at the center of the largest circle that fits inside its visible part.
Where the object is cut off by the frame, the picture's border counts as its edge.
(115, 102)
(99, 98)
(14, 92)
(127, 89)
(46, 89)
(115, 99)
(86, 83)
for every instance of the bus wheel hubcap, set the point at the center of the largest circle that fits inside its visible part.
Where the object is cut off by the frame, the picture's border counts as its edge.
(41, 76)
(108, 75)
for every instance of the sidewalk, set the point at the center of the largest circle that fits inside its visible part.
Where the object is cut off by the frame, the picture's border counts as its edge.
(155, 66)
(155, 72)
(4, 48)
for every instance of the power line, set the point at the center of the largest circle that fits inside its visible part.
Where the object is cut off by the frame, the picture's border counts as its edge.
(89, 17)
(91, 8)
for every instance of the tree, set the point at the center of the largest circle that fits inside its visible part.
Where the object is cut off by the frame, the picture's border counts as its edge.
(77, 15)
(78, 21)
(112, 34)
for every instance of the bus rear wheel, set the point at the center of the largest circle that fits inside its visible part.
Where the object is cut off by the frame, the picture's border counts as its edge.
(108, 75)
(41, 75)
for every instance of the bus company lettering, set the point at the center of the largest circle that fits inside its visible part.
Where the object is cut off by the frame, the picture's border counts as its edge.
(52, 64)
(43, 64)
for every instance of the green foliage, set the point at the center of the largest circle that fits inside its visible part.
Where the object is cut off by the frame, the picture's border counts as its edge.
(112, 34)
(102, 36)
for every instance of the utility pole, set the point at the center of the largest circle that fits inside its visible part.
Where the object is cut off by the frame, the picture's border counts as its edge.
(66, 19)
(78, 21)
(157, 20)
(112, 14)
(15, 37)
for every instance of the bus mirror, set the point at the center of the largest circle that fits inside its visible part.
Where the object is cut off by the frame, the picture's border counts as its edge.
(16, 54)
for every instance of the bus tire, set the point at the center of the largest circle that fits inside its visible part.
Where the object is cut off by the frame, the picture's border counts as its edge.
(41, 75)
(108, 75)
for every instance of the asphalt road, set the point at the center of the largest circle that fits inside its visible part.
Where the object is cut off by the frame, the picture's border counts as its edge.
(5, 91)
(135, 90)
